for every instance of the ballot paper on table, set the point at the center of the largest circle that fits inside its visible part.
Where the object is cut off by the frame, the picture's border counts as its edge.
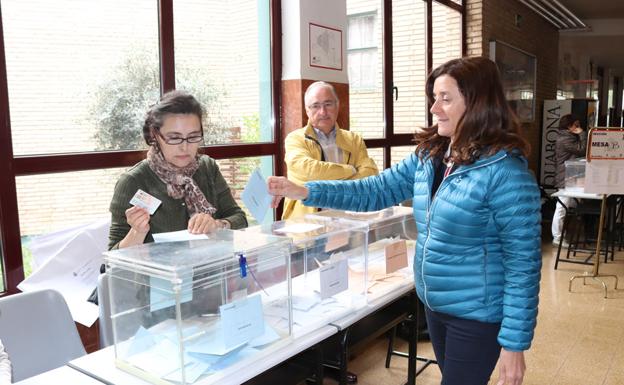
(334, 278)
(256, 196)
(73, 272)
(175, 236)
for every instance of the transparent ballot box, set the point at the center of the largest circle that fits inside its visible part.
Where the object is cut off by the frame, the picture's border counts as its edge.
(391, 246)
(195, 311)
(328, 264)
(575, 174)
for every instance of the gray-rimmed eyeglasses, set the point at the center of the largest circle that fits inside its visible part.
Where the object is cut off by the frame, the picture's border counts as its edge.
(328, 104)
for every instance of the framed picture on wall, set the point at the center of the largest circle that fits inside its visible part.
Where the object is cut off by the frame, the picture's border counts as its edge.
(325, 47)
(517, 69)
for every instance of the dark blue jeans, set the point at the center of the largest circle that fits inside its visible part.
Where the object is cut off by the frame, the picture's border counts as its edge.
(466, 350)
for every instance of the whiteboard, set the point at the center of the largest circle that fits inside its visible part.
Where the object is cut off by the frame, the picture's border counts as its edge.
(604, 171)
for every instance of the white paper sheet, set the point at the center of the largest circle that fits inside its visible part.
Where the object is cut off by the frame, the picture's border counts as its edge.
(45, 246)
(298, 228)
(174, 236)
(73, 271)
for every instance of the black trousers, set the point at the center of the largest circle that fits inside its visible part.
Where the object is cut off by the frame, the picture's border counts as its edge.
(466, 350)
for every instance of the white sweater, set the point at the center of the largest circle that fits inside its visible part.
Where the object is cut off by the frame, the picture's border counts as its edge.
(5, 366)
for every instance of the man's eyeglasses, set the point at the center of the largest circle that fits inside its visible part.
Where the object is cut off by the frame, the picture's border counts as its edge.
(174, 140)
(317, 106)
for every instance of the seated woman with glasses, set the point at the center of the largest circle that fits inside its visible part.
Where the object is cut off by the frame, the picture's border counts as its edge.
(194, 194)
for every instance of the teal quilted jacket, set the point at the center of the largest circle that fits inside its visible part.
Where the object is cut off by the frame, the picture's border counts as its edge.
(478, 252)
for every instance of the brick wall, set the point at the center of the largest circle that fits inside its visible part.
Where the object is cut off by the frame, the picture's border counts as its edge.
(495, 20)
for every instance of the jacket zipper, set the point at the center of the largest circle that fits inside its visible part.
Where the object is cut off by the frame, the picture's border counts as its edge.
(430, 202)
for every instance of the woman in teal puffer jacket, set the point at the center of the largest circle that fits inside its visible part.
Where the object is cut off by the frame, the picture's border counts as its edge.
(477, 208)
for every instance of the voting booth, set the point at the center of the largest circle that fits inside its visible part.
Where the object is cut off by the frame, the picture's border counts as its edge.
(185, 311)
(328, 267)
(391, 246)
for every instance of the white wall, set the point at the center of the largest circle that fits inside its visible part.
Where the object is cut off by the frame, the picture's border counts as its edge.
(296, 17)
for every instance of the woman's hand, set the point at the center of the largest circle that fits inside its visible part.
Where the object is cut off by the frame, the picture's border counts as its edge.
(202, 223)
(511, 368)
(281, 187)
(138, 219)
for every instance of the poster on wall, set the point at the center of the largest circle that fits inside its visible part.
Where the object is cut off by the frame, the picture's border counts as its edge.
(604, 171)
(517, 69)
(553, 111)
(325, 47)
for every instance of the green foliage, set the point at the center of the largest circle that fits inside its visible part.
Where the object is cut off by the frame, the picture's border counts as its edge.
(120, 103)
(251, 128)
(27, 259)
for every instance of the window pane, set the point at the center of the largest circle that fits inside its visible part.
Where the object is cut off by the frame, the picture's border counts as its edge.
(225, 62)
(53, 202)
(236, 172)
(377, 154)
(399, 153)
(365, 55)
(83, 71)
(408, 44)
(447, 43)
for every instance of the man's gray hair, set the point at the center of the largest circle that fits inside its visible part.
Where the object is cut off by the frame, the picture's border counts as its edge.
(317, 84)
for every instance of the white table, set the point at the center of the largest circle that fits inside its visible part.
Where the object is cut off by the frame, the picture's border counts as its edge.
(372, 307)
(101, 364)
(573, 193)
(62, 375)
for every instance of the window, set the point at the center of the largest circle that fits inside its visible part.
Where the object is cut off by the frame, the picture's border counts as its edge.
(362, 51)
(83, 72)
(447, 33)
(389, 110)
(409, 35)
(221, 62)
(80, 78)
(365, 55)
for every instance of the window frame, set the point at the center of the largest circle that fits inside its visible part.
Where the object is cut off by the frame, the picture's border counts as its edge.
(392, 139)
(12, 166)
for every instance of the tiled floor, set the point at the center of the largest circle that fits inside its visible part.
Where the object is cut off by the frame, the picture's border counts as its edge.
(579, 337)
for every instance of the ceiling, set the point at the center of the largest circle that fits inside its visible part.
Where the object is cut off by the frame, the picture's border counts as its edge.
(595, 9)
(604, 40)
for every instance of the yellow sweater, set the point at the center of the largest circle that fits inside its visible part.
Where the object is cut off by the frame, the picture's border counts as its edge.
(303, 160)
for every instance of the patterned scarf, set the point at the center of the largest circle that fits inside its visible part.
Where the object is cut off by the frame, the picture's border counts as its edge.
(179, 181)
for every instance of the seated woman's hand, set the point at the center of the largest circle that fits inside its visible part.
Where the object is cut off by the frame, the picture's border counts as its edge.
(138, 218)
(202, 223)
(281, 187)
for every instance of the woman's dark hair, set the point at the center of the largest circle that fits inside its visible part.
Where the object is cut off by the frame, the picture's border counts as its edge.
(488, 124)
(173, 102)
(566, 121)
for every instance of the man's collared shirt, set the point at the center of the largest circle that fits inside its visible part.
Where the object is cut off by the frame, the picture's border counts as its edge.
(328, 144)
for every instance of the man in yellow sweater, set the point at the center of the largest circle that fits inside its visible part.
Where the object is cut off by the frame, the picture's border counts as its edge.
(322, 150)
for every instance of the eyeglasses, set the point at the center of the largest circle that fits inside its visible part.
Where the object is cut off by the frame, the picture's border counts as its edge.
(175, 140)
(328, 104)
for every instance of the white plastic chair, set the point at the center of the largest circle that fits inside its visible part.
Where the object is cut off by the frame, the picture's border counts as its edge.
(38, 332)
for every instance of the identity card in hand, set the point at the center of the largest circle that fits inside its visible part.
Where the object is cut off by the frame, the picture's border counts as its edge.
(146, 201)
(256, 196)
